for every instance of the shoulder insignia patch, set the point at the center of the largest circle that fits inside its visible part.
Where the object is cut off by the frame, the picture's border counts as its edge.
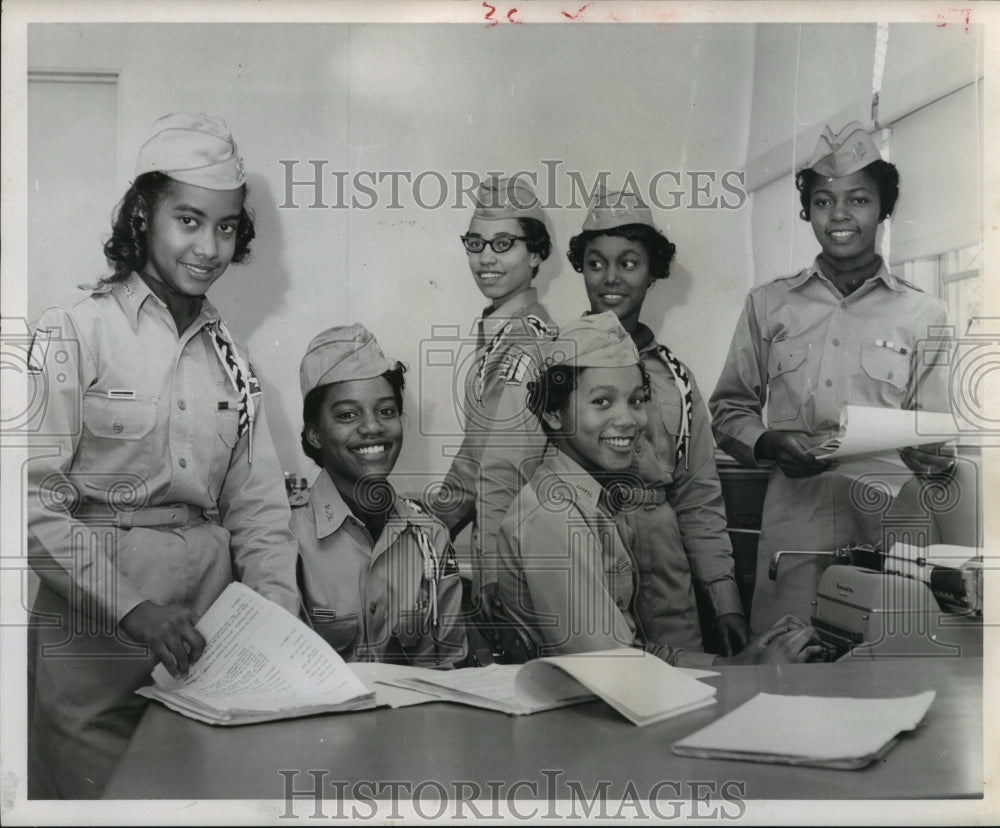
(538, 327)
(38, 351)
(514, 367)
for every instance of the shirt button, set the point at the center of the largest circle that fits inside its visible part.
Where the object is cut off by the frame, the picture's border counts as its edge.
(372, 608)
(117, 428)
(836, 342)
(829, 383)
(182, 463)
(843, 304)
(182, 405)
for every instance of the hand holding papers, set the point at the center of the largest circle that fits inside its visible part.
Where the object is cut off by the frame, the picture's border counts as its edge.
(837, 733)
(641, 687)
(260, 663)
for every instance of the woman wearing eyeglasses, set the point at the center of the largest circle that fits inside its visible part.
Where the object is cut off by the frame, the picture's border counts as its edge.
(506, 243)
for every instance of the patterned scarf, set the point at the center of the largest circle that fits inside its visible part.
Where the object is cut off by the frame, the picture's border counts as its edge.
(683, 382)
(240, 376)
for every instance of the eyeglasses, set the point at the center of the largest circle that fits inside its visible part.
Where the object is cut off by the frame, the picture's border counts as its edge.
(498, 244)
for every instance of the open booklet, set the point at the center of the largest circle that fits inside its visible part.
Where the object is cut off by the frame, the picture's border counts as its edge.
(640, 686)
(812, 731)
(260, 663)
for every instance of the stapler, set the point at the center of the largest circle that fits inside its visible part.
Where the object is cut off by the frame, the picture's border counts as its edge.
(907, 602)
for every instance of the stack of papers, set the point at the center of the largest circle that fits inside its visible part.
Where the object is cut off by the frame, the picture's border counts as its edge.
(838, 733)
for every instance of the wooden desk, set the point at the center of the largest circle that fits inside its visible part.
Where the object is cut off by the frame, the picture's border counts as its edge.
(587, 745)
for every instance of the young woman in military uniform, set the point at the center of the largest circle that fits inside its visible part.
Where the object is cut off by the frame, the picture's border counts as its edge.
(153, 482)
(842, 331)
(377, 572)
(567, 576)
(678, 521)
(505, 244)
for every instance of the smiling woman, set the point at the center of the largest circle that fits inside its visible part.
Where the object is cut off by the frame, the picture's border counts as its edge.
(169, 484)
(377, 572)
(843, 330)
(506, 242)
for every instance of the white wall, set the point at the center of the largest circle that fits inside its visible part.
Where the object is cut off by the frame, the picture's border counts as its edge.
(442, 98)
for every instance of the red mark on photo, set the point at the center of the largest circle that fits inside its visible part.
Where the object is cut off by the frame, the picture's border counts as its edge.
(489, 14)
(510, 16)
(578, 14)
(964, 15)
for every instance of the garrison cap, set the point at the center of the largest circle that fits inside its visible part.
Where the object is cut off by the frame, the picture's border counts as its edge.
(346, 352)
(616, 209)
(193, 149)
(840, 154)
(507, 198)
(597, 340)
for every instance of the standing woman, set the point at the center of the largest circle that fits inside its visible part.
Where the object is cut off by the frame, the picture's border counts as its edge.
(842, 331)
(506, 243)
(378, 573)
(153, 482)
(679, 524)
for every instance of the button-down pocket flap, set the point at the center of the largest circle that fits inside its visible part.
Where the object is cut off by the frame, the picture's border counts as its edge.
(118, 419)
(886, 365)
(228, 422)
(411, 626)
(786, 356)
(339, 631)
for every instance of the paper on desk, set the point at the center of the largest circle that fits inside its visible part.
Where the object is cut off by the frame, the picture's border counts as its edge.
(497, 687)
(843, 733)
(640, 686)
(869, 430)
(259, 658)
(378, 678)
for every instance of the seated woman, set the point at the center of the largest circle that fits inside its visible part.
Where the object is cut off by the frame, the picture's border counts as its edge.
(377, 572)
(566, 574)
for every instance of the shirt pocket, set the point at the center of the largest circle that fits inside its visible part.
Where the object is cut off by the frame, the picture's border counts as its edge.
(116, 446)
(787, 381)
(339, 631)
(227, 423)
(412, 625)
(886, 365)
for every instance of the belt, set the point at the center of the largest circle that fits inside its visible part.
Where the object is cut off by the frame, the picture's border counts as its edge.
(177, 514)
(625, 497)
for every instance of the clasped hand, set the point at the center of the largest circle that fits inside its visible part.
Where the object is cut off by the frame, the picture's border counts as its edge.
(791, 456)
(929, 459)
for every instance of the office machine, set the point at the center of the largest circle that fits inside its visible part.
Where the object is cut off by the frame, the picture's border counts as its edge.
(909, 601)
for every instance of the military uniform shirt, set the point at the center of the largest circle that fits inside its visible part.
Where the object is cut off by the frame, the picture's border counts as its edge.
(378, 601)
(805, 351)
(566, 576)
(503, 441)
(135, 416)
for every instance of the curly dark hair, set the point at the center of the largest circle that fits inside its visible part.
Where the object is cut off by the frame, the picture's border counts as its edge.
(882, 173)
(537, 240)
(316, 398)
(552, 389)
(126, 249)
(658, 247)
